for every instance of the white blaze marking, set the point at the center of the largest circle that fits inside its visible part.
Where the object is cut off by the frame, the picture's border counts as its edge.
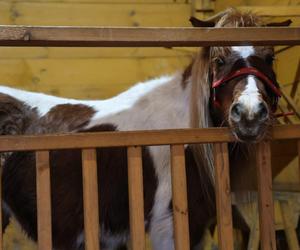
(250, 96)
(243, 51)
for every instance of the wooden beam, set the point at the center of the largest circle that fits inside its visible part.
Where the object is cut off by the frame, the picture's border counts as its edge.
(136, 198)
(132, 138)
(290, 102)
(145, 37)
(43, 193)
(296, 81)
(265, 196)
(179, 199)
(223, 196)
(90, 199)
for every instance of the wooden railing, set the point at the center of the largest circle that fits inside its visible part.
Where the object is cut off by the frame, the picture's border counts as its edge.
(154, 37)
(134, 140)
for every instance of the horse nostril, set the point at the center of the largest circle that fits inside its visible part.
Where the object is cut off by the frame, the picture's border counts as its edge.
(262, 111)
(236, 111)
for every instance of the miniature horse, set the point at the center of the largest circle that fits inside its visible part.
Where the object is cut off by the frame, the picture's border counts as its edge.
(230, 86)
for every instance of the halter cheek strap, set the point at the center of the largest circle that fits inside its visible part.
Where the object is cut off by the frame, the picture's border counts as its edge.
(242, 72)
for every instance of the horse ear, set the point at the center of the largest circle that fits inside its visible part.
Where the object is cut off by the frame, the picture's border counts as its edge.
(280, 24)
(199, 23)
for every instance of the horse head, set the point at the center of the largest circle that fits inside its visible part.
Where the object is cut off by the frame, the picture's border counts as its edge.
(242, 86)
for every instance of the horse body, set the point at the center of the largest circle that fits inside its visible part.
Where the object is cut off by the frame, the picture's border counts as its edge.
(212, 91)
(172, 100)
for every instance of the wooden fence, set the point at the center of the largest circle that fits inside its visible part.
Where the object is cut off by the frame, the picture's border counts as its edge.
(112, 37)
(88, 142)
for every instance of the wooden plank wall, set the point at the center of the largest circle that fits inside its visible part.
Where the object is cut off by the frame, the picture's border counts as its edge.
(87, 72)
(90, 72)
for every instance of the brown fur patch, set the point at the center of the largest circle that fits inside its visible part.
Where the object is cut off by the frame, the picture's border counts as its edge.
(64, 118)
(15, 116)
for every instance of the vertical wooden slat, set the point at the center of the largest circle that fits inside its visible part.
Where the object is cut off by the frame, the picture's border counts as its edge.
(136, 198)
(265, 196)
(1, 236)
(290, 230)
(299, 159)
(90, 199)
(253, 242)
(223, 196)
(179, 189)
(43, 192)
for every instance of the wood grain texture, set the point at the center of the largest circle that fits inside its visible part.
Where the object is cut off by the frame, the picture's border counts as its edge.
(179, 193)
(90, 199)
(144, 37)
(298, 149)
(291, 103)
(43, 193)
(289, 229)
(132, 138)
(136, 198)
(265, 196)
(288, 10)
(101, 14)
(1, 233)
(223, 196)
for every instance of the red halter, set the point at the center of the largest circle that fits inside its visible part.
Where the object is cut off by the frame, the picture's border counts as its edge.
(247, 71)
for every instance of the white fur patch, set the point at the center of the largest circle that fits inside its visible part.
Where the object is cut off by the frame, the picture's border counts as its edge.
(125, 100)
(43, 103)
(250, 97)
(244, 51)
(111, 241)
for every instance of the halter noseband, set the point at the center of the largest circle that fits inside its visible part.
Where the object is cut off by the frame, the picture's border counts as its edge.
(247, 71)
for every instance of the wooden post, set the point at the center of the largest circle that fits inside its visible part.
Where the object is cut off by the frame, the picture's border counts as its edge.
(136, 198)
(299, 158)
(265, 196)
(90, 199)
(43, 192)
(1, 221)
(179, 189)
(223, 196)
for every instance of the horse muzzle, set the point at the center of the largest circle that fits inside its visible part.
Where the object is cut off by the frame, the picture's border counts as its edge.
(249, 124)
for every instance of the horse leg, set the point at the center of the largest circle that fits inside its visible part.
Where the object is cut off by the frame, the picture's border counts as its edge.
(161, 232)
(5, 219)
(161, 226)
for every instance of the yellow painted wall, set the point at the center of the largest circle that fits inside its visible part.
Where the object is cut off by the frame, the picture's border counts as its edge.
(104, 72)
(90, 72)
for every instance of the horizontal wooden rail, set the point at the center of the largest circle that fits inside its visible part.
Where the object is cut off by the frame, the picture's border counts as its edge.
(132, 138)
(152, 37)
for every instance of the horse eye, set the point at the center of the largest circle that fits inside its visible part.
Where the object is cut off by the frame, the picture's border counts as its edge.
(269, 59)
(219, 62)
